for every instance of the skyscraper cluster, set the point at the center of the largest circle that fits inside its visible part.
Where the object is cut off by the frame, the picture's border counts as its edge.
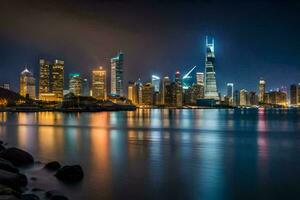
(194, 88)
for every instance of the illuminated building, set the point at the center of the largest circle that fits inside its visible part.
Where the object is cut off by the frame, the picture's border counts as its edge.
(179, 94)
(193, 93)
(57, 81)
(44, 77)
(131, 92)
(165, 82)
(85, 87)
(211, 91)
(27, 84)
(295, 94)
(99, 83)
(236, 98)
(173, 97)
(200, 78)
(117, 74)
(147, 94)
(244, 97)
(156, 83)
(230, 89)
(261, 90)
(253, 99)
(188, 79)
(276, 98)
(75, 84)
(47, 97)
(5, 86)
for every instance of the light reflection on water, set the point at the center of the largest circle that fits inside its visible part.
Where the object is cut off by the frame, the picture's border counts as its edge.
(167, 154)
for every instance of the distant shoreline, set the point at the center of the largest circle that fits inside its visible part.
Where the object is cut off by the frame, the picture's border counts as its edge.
(129, 108)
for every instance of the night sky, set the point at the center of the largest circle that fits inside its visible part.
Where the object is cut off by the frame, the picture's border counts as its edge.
(253, 38)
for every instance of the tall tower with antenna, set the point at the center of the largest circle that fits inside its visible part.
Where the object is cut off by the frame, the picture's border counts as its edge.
(210, 91)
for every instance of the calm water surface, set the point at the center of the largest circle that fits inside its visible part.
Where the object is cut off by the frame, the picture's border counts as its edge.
(166, 154)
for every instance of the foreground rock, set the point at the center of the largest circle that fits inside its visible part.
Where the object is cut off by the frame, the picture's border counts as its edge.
(7, 166)
(17, 156)
(29, 197)
(55, 195)
(13, 180)
(7, 191)
(53, 166)
(70, 174)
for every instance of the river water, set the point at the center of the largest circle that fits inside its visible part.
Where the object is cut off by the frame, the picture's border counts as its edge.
(165, 154)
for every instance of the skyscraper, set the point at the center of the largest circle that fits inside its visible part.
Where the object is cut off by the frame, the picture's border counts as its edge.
(58, 79)
(230, 92)
(178, 89)
(294, 94)
(147, 94)
(200, 78)
(261, 90)
(211, 91)
(85, 87)
(27, 84)
(244, 97)
(99, 83)
(156, 82)
(44, 77)
(165, 82)
(131, 93)
(75, 84)
(117, 74)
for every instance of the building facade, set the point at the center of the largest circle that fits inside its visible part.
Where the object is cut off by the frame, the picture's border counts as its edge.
(85, 87)
(156, 83)
(211, 91)
(99, 83)
(261, 91)
(57, 80)
(27, 84)
(200, 78)
(75, 84)
(44, 77)
(147, 94)
(230, 89)
(165, 82)
(117, 74)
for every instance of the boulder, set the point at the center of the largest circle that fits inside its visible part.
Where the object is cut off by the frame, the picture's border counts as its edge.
(17, 156)
(7, 166)
(2, 148)
(55, 195)
(70, 174)
(29, 197)
(5, 190)
(53, 166)
(13, 180)
(8, 197)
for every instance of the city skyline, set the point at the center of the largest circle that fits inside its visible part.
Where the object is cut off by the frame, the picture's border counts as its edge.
(99, 35)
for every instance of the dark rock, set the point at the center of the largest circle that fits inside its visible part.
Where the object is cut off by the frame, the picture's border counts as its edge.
(2, 148)
(70, 174)
(5, 190)
(29, 197)
(17, 156)
(7, 166)
(55, 195)
(1, 142)
(13, 180)
(53, 166)
(36, 190)
(8, 197)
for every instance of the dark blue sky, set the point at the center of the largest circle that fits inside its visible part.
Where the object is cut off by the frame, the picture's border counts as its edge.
(253, 38)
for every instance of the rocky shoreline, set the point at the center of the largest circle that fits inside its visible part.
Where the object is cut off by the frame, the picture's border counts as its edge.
(14, 185)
